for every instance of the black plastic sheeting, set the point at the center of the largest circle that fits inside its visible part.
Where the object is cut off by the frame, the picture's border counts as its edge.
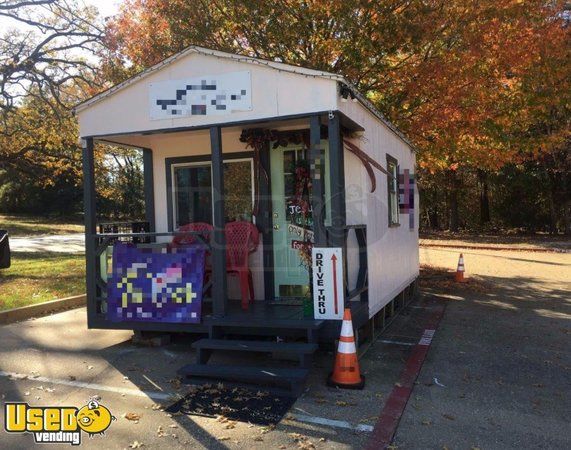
(234, 403)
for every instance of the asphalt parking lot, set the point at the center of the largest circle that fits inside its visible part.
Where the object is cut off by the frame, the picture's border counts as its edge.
(497, 374)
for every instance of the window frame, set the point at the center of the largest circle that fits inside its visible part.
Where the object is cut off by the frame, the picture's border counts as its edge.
(393, 192)
(171, 164)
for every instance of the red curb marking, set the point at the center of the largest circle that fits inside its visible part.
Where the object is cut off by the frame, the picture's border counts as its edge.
(389, 419)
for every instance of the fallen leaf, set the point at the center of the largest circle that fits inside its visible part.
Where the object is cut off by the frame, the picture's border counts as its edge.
(224, 438)
(426, 422)
(89, 367)
(136, 444)
(134, 417)
(341, 403)
(448, 416)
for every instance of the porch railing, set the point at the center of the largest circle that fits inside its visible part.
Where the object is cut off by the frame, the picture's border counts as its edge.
(102, 259)
(360, 291)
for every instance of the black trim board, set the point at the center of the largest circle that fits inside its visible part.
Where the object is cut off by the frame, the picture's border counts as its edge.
(266, 222)
(220, 287)
(90, 217)
(149, 187)
(346, 121)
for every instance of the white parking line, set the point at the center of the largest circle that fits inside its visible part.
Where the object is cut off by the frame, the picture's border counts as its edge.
(92, 386)
(331, 422)
(389, 341)
(166, 396)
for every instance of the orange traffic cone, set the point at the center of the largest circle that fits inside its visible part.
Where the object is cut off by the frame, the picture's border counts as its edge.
(346, 373)
(459, 276)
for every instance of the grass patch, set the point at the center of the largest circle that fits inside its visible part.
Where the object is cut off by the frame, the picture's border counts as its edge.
(22, 225)
(40, 277)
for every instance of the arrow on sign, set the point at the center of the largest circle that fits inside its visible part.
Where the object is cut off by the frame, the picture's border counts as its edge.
(334, 261)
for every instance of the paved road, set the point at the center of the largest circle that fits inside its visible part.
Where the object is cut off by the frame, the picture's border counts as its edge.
(502, 353)
(64, 243)
(55, 360)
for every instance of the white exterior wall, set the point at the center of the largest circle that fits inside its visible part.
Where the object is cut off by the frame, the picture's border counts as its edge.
(392, 252)
(197, 143)
(393, 259)
(274, 93)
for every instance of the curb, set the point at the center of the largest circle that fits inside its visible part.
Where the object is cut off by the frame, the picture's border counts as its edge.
(41, 309)
(509, 249)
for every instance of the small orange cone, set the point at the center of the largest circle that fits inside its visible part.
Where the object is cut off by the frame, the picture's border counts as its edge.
(346, 373)
(459, 276)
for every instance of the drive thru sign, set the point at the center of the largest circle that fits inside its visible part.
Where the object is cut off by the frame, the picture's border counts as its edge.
(328, 293)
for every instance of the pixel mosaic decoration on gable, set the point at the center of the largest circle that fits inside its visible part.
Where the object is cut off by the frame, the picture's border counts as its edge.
(201, 96)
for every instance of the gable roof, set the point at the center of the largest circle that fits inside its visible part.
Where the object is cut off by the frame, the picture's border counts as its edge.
(250, 60)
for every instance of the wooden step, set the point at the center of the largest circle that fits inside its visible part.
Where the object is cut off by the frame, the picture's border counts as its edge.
(243, 322)
(255, 346)
(205, 347)
(292, 379)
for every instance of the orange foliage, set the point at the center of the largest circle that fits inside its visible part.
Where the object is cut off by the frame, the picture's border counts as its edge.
(472, 82)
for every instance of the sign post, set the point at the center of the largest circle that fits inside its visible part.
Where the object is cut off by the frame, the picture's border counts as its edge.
(328, 292)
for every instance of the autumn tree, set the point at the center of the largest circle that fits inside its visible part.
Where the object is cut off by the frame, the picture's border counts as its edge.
(475, 84)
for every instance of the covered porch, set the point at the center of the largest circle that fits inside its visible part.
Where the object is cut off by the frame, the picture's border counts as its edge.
(319, 135)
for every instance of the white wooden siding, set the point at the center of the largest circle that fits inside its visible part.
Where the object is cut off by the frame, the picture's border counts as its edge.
(392, 251)
(274, 94)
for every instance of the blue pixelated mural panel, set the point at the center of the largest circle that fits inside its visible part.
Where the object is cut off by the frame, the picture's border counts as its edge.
(155, 287)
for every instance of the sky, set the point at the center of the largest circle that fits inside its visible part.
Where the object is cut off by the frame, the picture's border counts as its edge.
(106, 8)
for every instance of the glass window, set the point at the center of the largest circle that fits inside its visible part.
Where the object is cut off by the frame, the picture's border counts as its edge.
(393, 191)
(238, 190)
(193, 192)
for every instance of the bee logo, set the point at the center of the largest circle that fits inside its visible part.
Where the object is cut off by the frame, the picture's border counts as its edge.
(94, 418)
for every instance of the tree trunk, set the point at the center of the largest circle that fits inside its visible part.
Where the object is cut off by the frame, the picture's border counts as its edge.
(484, 198)
(567, 218)
(454, 188)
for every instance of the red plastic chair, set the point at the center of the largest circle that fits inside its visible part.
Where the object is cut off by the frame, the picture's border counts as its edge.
(242, 238)
(204, 229)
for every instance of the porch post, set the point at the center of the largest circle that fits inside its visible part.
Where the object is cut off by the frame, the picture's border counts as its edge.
(317, 179)
(265, 222)
(149, 188)
(90, 214)
(219, 286)
(337, 178)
